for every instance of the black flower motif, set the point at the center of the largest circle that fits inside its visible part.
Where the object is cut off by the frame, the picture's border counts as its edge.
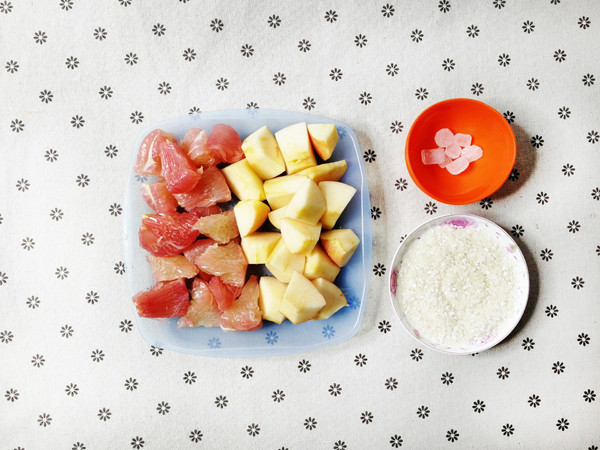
(338, 445)
(583, 339)
(558, 367)
(499, 4)
(503, 373)
(542, 198)
(421, 93)
(596, 193)
(279, 78)
(478, 406)
(131, 384)
(509, 116)
(387, 10)
(584, 22)
(247, 372)
(11, 395)
(360, 40)
(5, 7)
(253, 429)
(401, 184)
(137, 442)
(392, 69)
(573, 226)
(40, 37)
(37, 360)
(274, 21)
(100, 33)
(12, 66)
(331, 16)
(72, 390)
(77, 121)
(104, 414)
(115, 209)
(126, 326)
(369, 156)
(3, 278)
(452, 435)
(508, 430)
(136, 117)
(72, 62)
(504, 60)
(335, 74)
(119, 268)
(416, 354)
(396, 441)
(196, 435)
(472, 31)
(564, 112)
(79, 446)
(66, 331)
(304, 366)
(131, 59)
(335, 389)
(309, 103)
(444, 6)
(562, 424)
(66, 5)
(533, 84)
(17, 125)
(247, 50)
(61, 273)
(97, 355)
(366, 417)
(221, 401)
(430, 208)
(158, 29)
(82, 180)
(22, 185)
(156, 351)
(375, 213)
(87, 239)
(486, 203)
(365, 98)
(216, 25)
(190, 377)
(528, 344)
(44, 420)
(447, 378)
(477, 89)
(278, 396)
(448, 64)
(396, 127)
(46, 96)
(92, 297)
(33, 302)
(379, 269)
(589, 396)
(360, 360)
(528, 26)
(560, 55)
(577, 283)
(588, 79)
(27, 244)
(517, 231)
(568, 170)
(423, 412)
(551, 311)
(252, 105)
(593, 137)
(546, 254)
(417, 35)
(6, 336)
(304, 45)
(163, 408)
(391, 384)
(534, 401)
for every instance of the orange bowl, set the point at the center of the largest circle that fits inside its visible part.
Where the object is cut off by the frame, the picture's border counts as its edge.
(483, 177)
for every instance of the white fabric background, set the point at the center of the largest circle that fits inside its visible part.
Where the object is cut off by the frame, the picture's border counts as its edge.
(26, 332)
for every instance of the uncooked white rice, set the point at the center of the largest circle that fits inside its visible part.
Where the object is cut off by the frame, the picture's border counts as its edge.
(456, 285)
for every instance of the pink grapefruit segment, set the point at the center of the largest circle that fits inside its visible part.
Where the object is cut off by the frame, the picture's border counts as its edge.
(181, 175)
(225, 143)
(210, 190)
(203, 310)
(244, 314)
(195, 146)
(225, 261)
(171, 267)
(168, 299)
(158, 197)
(220, 227)
(148, 158)
(167, 235)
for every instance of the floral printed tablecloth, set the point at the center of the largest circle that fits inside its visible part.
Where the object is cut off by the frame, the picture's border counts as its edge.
(79, 79)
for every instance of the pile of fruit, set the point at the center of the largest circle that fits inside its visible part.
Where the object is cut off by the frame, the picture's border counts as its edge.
(199, 253)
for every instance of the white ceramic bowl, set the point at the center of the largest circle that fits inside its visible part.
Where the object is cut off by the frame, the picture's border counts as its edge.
(504, 239)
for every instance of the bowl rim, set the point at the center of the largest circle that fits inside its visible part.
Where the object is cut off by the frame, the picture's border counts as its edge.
(493, 187)
(518, 316)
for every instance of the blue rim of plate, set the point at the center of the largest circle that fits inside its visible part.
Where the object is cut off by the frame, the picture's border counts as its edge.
(508, 327)
(273, 339)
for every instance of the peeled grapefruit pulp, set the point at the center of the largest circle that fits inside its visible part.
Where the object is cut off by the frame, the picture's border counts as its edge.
(203, 310)
(181, 175)
(148, 159)
(168, 299)
(225, 143)
(244, 314)
(167, 235)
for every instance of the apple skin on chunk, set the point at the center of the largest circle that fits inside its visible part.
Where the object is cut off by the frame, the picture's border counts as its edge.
(263, 154)
(340, 245)
(270, 296)
(332, 171)
(302, 301)
(337, 196)
(295, 147)
(334, 298)
(307, 204)
(258, 246)
(243, 181)
(250, 215)
(324, 137)
(320, 265)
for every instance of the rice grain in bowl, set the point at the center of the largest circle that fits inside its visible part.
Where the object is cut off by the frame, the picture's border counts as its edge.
(459, 284)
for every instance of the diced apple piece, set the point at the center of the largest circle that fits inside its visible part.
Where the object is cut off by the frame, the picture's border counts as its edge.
(307, 204)
(270, 296)
(340, 245)
(243, 181)
(295, 147)
(250, 215)
(324, 137)
(279, 191)
(319, 265)
(275, 217)
(337, 196)
(258, 246)
(334, 298)
(299, 237)
(302, 301)
(263, 154)
(332, 171)
(282, 263)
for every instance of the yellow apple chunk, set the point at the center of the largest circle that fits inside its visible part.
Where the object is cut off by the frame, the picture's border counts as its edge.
(243, 181)
(332, 171)
(299, 237)
(275, 217)
(337, 196)
(334, 298)
(279, 191)
(263, 154)
(324, 137)
(319, 265)
(282, 263)
(302, 301)
(270, 296)
(340, 245)
(307, 204)
(295, 147)
(258, 246)
(250, 215)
